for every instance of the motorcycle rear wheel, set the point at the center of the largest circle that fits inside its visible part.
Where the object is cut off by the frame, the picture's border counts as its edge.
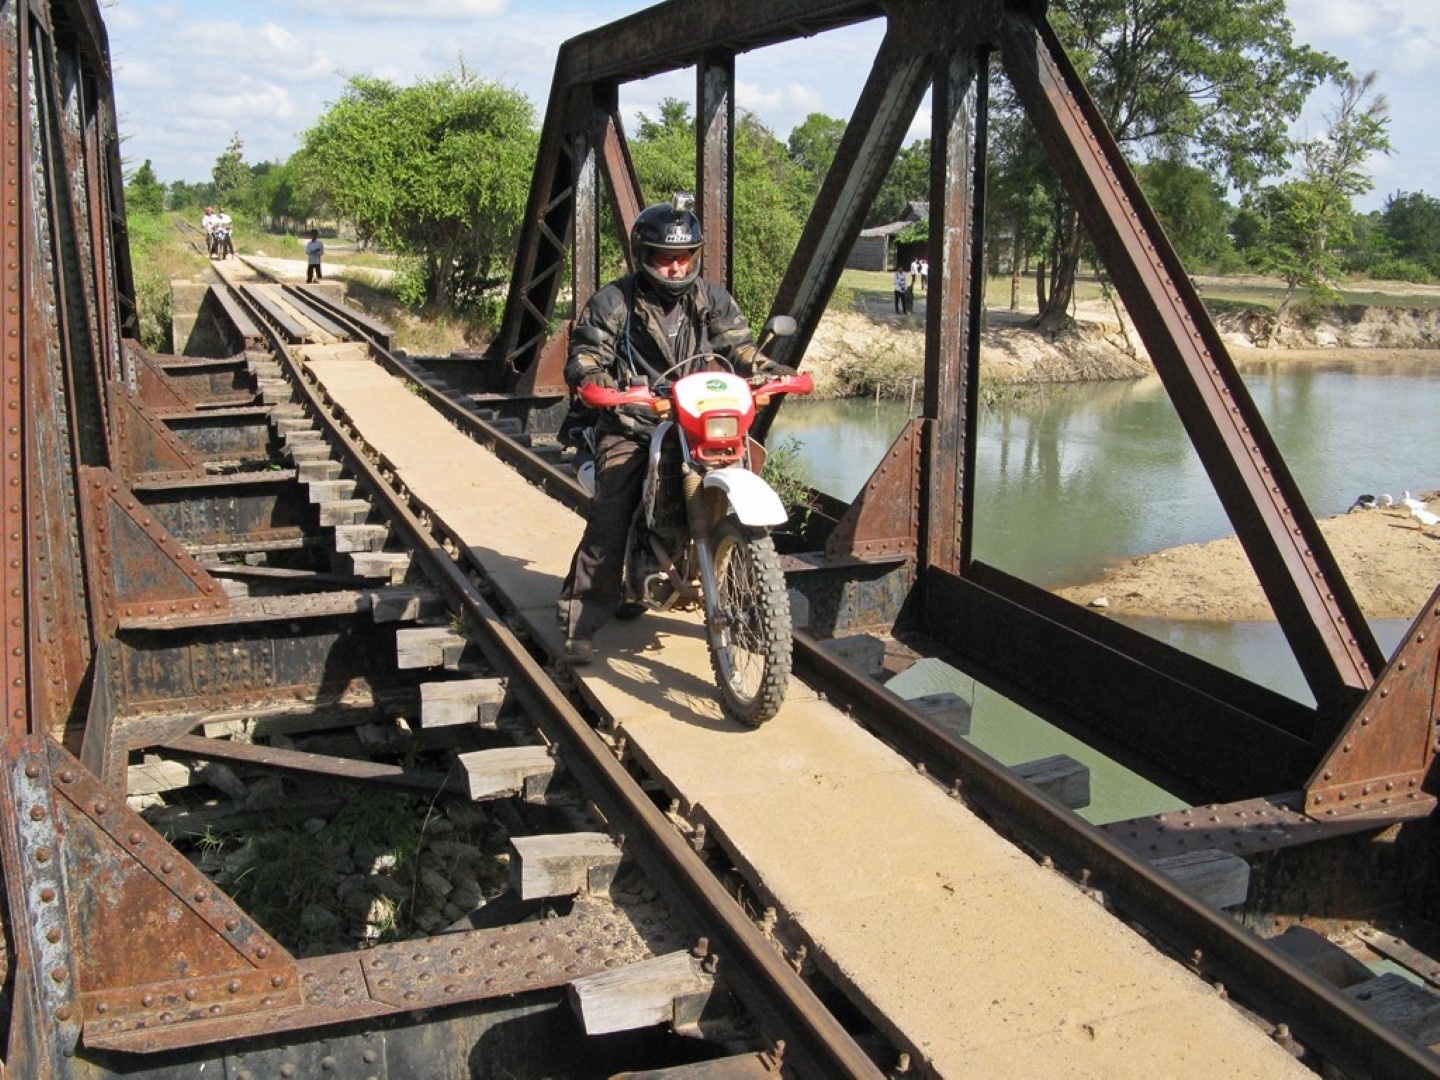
(750, 647)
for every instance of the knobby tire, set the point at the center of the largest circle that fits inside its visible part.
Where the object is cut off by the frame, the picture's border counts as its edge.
(751, 654)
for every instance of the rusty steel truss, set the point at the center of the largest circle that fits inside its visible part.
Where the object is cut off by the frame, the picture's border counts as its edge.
(88, 884)
(1232, 738)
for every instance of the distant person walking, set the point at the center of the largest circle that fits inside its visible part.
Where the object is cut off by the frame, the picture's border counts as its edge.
(314, 250)
(901, 287)
(208, 223)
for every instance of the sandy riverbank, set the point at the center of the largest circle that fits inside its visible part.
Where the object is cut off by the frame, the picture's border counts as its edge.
(1392, 567)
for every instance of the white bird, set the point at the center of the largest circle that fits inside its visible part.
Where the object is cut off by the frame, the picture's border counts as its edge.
(1411, 504)
(1425, 518)
(1385, 501)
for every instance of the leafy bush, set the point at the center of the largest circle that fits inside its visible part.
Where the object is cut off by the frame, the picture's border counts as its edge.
(785, 472)
(1393, 269)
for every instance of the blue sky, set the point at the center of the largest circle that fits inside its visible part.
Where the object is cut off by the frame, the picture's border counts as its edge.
(190, 73)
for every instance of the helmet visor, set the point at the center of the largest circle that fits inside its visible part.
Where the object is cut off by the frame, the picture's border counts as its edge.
(660, 257)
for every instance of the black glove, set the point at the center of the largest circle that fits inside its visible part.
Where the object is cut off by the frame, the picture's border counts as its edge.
(597, 377)
(771, 370)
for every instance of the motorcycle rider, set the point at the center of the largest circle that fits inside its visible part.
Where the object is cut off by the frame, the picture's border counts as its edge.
(640, 326)
(224, 245)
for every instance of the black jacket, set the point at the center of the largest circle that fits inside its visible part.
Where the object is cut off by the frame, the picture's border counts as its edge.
(621, 332)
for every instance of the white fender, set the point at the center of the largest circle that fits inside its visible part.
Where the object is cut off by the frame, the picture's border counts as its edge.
(754, 501)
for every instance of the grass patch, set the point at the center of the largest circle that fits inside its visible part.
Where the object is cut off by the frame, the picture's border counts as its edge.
(420, 333)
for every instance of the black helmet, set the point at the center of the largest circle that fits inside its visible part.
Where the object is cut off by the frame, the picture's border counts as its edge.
(670, 226)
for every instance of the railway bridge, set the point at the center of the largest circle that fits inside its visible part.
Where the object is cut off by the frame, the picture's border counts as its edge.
(307, 557)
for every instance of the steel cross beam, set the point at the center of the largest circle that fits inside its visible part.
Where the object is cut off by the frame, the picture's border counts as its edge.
(564, 190)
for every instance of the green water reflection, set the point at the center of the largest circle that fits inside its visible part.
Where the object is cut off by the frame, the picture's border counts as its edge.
(1073, 479)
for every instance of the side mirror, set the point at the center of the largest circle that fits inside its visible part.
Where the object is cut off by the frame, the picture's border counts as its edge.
(776, 327)
(779, 326)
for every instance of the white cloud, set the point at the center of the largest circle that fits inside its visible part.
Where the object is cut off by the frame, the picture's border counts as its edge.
(188, 73)
(408, 11)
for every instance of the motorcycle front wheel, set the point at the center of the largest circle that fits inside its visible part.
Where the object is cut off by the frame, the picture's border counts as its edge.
(750, 642)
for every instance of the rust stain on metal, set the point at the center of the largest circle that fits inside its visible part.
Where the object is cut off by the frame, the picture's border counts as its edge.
(143, 570)
(162, 944)
(1384, 755)
(883, 519)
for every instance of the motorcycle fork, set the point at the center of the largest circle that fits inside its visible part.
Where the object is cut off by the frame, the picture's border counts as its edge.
(702, 510)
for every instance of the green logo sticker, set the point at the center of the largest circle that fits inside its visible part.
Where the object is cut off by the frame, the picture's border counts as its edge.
(715, 384)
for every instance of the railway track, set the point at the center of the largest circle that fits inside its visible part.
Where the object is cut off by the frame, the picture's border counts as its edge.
(1211, 943)
(263, 587)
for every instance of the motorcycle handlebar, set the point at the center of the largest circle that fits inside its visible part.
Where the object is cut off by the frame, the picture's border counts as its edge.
(608, 397)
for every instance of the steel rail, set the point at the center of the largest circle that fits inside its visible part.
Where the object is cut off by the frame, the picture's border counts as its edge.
(781, 1002)
(1265, 980)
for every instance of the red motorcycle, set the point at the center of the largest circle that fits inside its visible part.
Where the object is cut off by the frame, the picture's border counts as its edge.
(700, 536)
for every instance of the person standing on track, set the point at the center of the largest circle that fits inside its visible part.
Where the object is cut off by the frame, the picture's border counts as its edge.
(641, 326)
(313, 252)
(207, 224)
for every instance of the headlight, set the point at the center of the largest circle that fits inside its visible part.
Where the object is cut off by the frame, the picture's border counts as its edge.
(721, 427)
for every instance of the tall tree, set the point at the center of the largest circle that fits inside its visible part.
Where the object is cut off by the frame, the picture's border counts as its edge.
(439, 170)
(1310, 218)
(280, 195)
(812, 146)
(1192, 208)
(1216, 84)
(144, 193)
(1410, 224)
(231, 175)
(907, 181)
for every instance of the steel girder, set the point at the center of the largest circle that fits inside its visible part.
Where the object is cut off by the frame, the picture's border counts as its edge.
(945, 49)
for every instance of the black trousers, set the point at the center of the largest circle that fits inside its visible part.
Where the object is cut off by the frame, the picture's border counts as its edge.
(591, 592)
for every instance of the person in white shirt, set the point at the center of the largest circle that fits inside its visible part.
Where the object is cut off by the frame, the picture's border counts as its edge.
(208, 223)
(313, 252)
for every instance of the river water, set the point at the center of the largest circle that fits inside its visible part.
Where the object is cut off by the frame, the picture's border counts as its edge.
(1071, 479)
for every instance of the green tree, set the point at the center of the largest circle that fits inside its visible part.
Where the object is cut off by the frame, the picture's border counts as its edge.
(281, 197)
(231, 175)
(812, 146)
(772, 198)
(1216, 84)
(771, 194)
(439, 170)
(907, 181)
(1192, 208)
(1410, 227)
(144, 194)
(185, 196)
(1309, 219)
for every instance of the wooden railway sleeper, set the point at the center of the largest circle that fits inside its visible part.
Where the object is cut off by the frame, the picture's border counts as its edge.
(821, 1036)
